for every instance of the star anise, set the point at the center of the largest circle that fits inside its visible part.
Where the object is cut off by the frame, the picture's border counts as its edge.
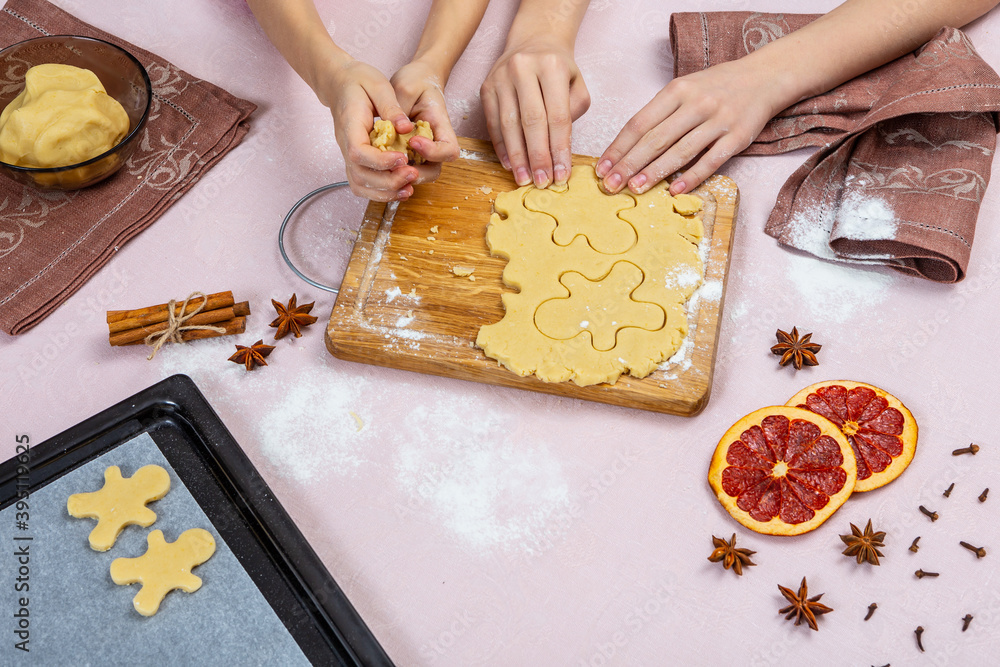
(252, 356)
(802, 606)
(730, 556)
(291, 318)
(797, 350)
(864, 545)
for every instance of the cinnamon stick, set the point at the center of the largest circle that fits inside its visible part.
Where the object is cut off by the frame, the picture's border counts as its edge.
(138, 334)
(237, 325)
(123, 320)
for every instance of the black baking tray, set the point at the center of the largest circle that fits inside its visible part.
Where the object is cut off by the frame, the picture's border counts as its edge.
(239, 503)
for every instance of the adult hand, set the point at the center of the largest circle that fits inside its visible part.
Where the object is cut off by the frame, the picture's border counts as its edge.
(357, 94)
(418, 88)
(698, 121)
(530, 98)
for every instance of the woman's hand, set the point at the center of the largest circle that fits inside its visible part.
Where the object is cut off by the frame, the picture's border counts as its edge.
(530, 98)
(699, 121)
(356, 94)
(418, 88)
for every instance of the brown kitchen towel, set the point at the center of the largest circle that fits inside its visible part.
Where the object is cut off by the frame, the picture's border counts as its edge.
(906, 150)
(51, 243)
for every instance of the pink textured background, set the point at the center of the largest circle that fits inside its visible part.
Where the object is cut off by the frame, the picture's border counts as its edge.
(478, 525)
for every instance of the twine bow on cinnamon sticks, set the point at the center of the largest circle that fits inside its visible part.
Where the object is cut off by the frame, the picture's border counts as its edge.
(198, 316)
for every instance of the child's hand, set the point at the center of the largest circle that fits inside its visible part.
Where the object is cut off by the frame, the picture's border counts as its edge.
(531, 97)
(358, 93)
(704, 118)
(419, 91)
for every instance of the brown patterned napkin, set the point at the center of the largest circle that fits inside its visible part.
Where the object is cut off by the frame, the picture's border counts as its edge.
(52, 243)
(906, 149)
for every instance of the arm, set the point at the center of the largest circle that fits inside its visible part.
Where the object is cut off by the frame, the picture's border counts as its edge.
(718, 112)
(419, 85)
(354, 92)
(535, 91)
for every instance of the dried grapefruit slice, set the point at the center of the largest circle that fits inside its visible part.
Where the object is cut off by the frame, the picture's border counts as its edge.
(881, 430)
(783, 470)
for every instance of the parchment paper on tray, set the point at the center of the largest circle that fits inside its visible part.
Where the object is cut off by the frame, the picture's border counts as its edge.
(79, 616)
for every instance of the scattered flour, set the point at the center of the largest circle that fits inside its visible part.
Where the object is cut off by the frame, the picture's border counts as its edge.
(859, 218)
(810, 230)
(737, 312)
(710, 291)
(395, 292)
(838, 292)
(682, 276)
(863, 218)
(682, 357)
(311, 429)
(466, 464)
(305, 431)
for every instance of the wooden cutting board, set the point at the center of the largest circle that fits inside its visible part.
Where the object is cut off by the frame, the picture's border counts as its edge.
(401, 305)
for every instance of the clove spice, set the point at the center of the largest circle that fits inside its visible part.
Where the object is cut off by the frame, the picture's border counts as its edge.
(918, 632)
(971, 449)
(979, 551)
(965, 622)
(871, 610)
(947, 492)
(982, 496)
(914, 547)
(920, 574)
(933, 516)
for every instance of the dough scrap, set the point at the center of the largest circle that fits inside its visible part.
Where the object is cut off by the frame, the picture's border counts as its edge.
(63, 117)
(120, 502)
(617, 255)
(385, 138)
(164, 567)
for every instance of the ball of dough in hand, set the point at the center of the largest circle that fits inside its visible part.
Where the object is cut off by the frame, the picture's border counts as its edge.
(385, 138)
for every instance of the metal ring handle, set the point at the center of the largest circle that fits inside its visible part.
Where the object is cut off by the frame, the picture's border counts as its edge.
(281, 236)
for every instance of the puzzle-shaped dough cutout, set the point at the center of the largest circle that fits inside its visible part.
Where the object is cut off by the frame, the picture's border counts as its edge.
(559, 247)
(120, 502)
(601, 307)
(586, 211)
(164, 567)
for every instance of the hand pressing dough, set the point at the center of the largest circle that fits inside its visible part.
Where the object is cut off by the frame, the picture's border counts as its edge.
(120, 502)
(164, 567)
(385, 138)
(62, 117)
(596, 275)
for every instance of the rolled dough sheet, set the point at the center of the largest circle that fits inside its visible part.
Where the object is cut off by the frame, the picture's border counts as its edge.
(597, 275)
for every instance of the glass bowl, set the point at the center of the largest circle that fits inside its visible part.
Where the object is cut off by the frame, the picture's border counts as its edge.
(123, 77)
